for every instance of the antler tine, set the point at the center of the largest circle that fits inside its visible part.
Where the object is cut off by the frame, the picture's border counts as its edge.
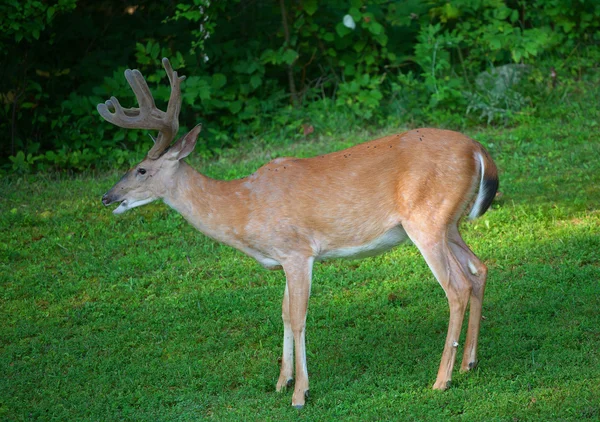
(140, 89)
(104, 109)
(175, 98)
(171, 73)
(122, 117)
(172, 114)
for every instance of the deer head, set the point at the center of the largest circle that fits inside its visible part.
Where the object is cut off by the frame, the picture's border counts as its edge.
(149, 180)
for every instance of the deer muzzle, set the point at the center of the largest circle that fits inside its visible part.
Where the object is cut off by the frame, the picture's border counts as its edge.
(108, 199)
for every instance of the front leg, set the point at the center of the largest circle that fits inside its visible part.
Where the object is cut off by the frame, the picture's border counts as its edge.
(298, 274)
(287, 359)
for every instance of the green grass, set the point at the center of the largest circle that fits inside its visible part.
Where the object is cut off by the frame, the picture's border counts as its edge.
(139, 317)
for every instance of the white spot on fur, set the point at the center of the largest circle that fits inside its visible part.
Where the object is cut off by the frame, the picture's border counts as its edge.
(472, 268)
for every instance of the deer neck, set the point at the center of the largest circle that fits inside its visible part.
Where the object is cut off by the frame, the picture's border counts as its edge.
(215, 207)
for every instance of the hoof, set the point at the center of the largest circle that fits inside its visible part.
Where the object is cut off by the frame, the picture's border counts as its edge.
(442, 386)
(281, 385)
(467, 368)
(300, 405)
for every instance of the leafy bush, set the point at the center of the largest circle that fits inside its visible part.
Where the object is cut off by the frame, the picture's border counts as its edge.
(496, 93)
(417, 61)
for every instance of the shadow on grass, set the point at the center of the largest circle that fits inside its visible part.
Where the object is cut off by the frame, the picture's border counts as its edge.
(541, 323)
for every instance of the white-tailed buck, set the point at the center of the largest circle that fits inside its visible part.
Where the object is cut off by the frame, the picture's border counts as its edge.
(352, 203)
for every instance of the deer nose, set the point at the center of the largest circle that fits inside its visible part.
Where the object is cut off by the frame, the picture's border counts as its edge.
(105, 199)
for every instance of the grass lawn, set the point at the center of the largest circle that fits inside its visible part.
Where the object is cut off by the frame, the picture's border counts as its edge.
(140, 317)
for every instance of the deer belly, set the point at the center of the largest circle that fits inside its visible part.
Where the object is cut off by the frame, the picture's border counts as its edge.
(386, 241)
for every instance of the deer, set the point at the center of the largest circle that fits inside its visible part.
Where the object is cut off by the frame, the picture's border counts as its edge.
(413, 186)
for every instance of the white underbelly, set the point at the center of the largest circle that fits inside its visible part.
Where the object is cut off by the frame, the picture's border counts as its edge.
(269, 263)
(385, 242)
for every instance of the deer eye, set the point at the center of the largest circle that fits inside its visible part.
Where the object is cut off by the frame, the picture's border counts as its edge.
(141, 171)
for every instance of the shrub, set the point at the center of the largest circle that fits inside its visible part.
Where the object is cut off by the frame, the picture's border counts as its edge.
(371, 62)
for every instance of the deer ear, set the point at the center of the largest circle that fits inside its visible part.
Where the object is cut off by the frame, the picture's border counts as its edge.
(185, 145)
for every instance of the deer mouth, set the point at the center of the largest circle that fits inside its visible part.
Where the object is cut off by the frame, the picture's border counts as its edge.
(127, 204)
(108, 199)
(123, 206)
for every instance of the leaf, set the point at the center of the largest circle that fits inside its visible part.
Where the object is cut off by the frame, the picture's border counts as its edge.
(268, 56)
(495, 43)
(382, 39)
(502, 13)
(180, 59)
(450, 11)
(290, 56)
(203, 90)
(531, 49)
(360, 45)
(514, 16)
(516, 56)
(355, 13)
(310, 6)
(375, 28)
(119, 136)
(252, 67)
(20, 157)
(342, 30)
(255, 81)
(155, 50)
(218, 80)
(235, 107)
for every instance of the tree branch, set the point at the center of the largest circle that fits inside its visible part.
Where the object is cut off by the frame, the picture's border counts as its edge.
(290, 69)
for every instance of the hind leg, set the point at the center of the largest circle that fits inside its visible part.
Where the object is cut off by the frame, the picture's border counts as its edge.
(476, 272)
(441, 259)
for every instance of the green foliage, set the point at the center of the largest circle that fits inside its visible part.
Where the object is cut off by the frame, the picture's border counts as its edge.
(432, 54)
(25, 20)
(378, 61)
(496, 94)
(362, 95)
